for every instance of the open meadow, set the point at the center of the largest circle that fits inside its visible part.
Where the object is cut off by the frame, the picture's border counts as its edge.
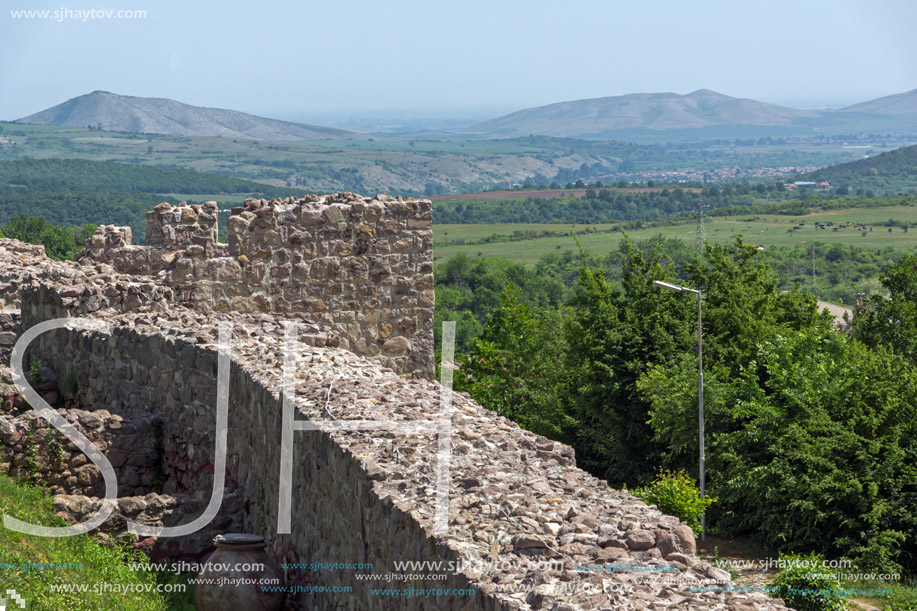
(868, 229)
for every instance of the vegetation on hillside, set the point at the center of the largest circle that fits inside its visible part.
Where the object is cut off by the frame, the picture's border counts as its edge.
(59, 242)
(78, 561)
(48, 175)
(799, 416)
(886, 174)
(76, 192)
(413, 167)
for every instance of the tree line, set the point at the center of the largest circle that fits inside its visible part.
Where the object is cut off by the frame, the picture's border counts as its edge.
(811, 434)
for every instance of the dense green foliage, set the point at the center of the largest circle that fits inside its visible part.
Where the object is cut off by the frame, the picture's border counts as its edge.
(601, 206)
(902, 600)
(83, 175)
(808, 202)
(76, 192)
(798, 416)
(77, 208)
(888, 173)
(805, 586)
(468, 289)
(676, 494)
(59, 242)
(893, 322)
(516, 362)
(85, 562)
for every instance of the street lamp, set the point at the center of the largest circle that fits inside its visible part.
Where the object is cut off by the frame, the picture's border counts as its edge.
(700, 392)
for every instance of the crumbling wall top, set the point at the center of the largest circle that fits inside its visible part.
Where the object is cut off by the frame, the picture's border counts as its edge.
(177, 227)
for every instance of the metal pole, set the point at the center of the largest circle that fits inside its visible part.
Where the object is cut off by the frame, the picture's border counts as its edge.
(700, 405)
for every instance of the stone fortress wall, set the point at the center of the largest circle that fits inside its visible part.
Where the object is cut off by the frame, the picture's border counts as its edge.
(362, 266)
(144, 392)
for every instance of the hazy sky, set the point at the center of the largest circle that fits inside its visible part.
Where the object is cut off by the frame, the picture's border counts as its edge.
(302, 57)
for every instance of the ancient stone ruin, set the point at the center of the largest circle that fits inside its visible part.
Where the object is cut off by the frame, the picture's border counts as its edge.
(355, 274)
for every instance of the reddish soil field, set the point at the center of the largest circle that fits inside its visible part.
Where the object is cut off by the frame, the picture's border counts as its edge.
(544, 193)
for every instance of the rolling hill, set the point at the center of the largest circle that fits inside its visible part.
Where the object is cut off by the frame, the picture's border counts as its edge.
(651, 111)
(898, 104)
(121, 113)
(701, 114)
(885, 174)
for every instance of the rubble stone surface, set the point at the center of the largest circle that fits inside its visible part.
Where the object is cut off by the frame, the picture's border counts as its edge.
(526, 529)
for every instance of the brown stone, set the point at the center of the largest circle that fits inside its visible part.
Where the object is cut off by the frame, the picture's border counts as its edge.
(396, 345)
(639, 540)
(684, 538)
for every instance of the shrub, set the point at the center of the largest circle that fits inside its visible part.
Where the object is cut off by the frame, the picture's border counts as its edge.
(805, 586)
(69, 382)
(676, 494)
(903, 599)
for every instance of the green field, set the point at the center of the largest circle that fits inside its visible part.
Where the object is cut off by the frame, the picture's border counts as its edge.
(765, 230)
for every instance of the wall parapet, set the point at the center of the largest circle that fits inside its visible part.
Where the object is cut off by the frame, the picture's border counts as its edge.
(362, 266)
(179, 227)
(516, 499)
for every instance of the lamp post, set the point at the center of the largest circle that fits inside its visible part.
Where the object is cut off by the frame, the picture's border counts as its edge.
(700, 392)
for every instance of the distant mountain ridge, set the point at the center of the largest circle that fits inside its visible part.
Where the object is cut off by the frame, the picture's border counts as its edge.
(702, 109)
(121, 113)
(639, 117)
(900, 103)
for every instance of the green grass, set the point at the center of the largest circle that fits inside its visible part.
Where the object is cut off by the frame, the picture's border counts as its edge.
(764, 230)
(904, 593)
(451, 233)
(100, 564)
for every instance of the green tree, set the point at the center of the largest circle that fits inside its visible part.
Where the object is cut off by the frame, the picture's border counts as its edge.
(613, 336)
(811, 444)
(514, 367)
(892, 321)
(59, 242)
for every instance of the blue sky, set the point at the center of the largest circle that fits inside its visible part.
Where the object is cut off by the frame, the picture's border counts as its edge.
(297, 58)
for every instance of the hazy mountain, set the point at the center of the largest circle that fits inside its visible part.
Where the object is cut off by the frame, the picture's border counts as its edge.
(898, 104)
(123, 113)
(653, 111)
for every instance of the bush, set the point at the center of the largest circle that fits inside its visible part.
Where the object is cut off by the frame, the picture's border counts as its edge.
(676, 494)
(69, 382)
(903, 599)
(805, 586)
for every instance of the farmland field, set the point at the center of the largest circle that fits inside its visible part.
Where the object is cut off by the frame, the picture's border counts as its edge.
(765, 230)
(504, 195)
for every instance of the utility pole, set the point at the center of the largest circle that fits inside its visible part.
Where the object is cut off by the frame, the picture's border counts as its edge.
(813, 268)
(700, 395)
(699, 237)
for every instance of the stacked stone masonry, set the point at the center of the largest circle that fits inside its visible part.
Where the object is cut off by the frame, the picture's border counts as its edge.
(177, 228)
(362, 266)
(516, 499)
